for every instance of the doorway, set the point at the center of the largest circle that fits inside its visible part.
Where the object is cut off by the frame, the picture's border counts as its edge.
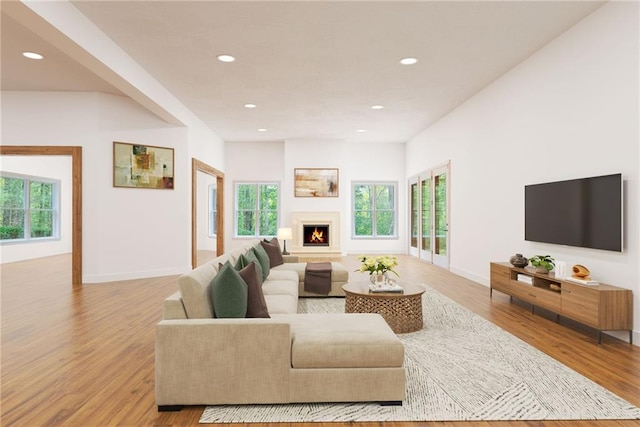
(197, 168)
(429, 209)
(76, 196)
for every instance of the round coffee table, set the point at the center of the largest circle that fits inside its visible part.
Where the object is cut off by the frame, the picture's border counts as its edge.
(402, 311)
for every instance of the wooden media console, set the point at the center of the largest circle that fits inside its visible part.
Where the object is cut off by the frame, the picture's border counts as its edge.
(603, 307)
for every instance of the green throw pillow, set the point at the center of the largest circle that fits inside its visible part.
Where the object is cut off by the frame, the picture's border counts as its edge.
(263, 258)
(245, 259)
(229, 293)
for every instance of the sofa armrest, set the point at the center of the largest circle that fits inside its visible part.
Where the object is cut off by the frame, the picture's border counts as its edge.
(290, 258)
(172, 307)
(222, 361)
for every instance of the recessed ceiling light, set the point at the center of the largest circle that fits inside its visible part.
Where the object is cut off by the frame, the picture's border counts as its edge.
(226, 58)
(250, 105)
(408, 61)
(361, 130)
(32, 55)
(262, 130)
(377, 107)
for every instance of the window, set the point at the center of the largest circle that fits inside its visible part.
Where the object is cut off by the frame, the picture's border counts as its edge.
(257, 207)
(374, 209)
(29, 208)
(213, 211)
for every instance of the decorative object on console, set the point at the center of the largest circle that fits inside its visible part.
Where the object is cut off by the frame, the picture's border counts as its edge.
(525, 279)
(542, 263)
(284, 234)
(580, 272)
(560, 269)
(582, 275)
(519, 261)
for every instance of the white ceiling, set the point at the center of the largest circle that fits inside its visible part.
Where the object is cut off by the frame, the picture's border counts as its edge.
(313, 69)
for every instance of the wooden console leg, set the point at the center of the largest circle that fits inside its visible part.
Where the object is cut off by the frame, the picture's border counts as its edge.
(169, 408)
(391, 403)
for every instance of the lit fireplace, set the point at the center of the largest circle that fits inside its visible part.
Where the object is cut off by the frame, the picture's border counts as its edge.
(315, 235)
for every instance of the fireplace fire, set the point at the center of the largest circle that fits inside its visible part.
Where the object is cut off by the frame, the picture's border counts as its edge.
(316, 235)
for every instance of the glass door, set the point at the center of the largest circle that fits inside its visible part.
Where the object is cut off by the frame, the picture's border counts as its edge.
(414, 200)
(426, 207)
(429, 195)
(440, 222)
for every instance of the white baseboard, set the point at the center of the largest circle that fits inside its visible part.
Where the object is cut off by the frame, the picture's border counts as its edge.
(133, 275)
(468, 275)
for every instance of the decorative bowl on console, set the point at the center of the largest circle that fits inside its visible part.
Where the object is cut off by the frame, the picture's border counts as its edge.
(519, 261)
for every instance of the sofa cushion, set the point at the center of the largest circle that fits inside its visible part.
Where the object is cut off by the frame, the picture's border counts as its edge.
(283, 275)
(344, 341)
(229, 293)
(256, 304)
(280, 287)
(263, 258)
(272, 248)
(245, 259)
(281, 304)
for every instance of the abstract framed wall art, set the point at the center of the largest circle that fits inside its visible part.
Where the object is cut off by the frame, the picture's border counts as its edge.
(316, 182)
(142, 166)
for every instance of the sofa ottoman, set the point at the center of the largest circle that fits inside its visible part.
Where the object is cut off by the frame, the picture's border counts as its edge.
(354, 357)
(339, 276)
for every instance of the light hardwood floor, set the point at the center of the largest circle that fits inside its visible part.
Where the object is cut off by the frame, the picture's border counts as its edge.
(85, 356)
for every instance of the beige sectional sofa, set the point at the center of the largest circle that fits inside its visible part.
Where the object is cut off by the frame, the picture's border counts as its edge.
(288, 357)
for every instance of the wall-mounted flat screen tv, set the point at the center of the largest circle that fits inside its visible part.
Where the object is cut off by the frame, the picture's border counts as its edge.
(586, 212)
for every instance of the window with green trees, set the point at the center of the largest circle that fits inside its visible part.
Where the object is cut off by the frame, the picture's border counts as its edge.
(257, 207)
(374, 209)
(29, 208)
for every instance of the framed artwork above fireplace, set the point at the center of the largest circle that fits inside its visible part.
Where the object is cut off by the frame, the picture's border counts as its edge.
(316, 182)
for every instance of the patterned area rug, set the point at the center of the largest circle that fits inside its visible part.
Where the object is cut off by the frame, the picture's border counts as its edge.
(459, 367)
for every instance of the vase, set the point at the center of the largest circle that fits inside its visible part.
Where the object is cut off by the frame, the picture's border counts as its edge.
(519, 261)
(379, 280)
(541, 269)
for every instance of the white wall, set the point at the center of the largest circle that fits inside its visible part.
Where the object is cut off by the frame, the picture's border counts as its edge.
(51, 167)
(569, 111)
(276, 161)
(127, 233)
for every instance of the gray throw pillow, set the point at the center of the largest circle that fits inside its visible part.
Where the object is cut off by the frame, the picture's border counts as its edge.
(273, 252)
(229, 293)
(256, 304)
(263, 258)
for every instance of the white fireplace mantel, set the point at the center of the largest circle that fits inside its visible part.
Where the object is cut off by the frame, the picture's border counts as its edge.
(300, 219)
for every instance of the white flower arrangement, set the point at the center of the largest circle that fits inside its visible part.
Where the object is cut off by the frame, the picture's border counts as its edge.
(378, 264)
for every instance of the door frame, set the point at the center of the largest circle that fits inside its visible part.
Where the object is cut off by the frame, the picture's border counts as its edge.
(199, 166)
(76, 194)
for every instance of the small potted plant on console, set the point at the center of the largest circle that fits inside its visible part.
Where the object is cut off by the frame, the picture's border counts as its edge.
(542, 263)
